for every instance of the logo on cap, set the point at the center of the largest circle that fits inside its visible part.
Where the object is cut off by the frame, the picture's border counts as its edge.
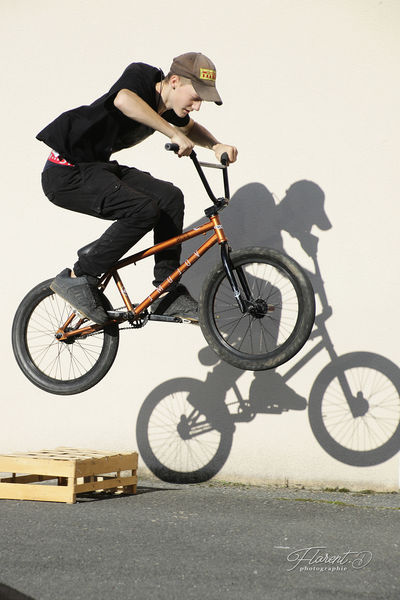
(209, 74)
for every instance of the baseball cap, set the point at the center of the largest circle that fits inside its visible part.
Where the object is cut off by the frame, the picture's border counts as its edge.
(202, 73)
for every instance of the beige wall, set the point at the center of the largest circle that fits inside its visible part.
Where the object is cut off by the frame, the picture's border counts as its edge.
(311, 92)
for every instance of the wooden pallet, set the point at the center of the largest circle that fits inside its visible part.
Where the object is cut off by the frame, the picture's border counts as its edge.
(74, 470)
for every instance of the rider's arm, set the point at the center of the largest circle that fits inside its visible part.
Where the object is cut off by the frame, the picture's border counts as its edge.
(132, 106)
(200, 136)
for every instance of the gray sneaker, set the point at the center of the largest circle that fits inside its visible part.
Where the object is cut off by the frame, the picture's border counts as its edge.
(177, 303)
(82, 294)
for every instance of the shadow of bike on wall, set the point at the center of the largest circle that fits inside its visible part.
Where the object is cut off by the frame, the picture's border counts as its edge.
(185, 426)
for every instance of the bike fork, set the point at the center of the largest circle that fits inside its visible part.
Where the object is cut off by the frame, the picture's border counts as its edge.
(229, 270)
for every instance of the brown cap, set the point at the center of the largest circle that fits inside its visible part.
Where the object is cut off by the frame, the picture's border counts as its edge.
(201, 72)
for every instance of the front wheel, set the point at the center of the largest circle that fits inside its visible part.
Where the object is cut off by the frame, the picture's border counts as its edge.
(55, 366)
(280, 309)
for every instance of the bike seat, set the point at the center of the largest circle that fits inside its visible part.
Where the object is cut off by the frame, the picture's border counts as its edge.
(86, 249)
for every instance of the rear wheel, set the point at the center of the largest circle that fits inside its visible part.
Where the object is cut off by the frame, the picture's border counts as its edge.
(59, 367)
(279, 316)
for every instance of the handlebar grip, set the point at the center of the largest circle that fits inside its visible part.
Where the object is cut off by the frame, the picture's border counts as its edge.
(171, 147)
(225, 159)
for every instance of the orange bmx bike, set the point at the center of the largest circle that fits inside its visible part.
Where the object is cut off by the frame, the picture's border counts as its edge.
(256, 310)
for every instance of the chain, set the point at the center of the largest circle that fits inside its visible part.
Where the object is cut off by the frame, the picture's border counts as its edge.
(99, 332)
(140, 323)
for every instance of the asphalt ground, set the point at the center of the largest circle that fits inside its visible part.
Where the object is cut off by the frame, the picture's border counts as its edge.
(210, 541)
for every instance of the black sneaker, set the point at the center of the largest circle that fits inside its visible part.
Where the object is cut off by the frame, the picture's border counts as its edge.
(82, 294)
(177, 303)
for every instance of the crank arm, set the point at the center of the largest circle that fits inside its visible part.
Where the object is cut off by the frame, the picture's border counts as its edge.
(168, 319)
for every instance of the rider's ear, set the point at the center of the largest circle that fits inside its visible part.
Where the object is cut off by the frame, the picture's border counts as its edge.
(174, 81)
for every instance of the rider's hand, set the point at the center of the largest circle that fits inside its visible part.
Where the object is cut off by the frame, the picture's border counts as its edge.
(231, 151)
(185, 145)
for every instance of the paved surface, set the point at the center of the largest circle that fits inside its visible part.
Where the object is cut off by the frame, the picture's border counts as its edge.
(206, 541)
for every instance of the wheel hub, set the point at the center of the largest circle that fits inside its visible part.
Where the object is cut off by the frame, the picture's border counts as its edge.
(68, 340)
(259, 308)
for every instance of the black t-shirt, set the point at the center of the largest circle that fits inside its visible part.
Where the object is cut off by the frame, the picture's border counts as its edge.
(92, 133)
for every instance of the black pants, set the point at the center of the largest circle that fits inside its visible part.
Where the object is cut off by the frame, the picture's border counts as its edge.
(134, 200)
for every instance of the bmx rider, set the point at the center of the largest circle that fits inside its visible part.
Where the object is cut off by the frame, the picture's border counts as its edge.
(80, 176)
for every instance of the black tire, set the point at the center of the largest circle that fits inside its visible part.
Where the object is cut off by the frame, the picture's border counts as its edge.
(180, 435)
(59, 367)
(258, 343)
(373, 436)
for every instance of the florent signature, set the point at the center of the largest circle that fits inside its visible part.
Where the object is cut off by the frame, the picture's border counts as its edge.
(315, 558)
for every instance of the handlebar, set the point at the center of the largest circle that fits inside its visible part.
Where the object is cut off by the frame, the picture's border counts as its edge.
(224, 164)
(175, 148)
(225, 159)
(171, 147)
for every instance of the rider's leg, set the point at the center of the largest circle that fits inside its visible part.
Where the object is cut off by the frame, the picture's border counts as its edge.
(132, 221)
(169, 224)
(178, 302)
(131, 198)
(132, 203)
(96, 189)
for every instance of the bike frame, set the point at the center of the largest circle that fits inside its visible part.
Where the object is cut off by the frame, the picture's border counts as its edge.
(135, 312)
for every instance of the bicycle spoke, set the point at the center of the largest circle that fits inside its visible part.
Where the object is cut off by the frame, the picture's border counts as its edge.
(59, 360)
